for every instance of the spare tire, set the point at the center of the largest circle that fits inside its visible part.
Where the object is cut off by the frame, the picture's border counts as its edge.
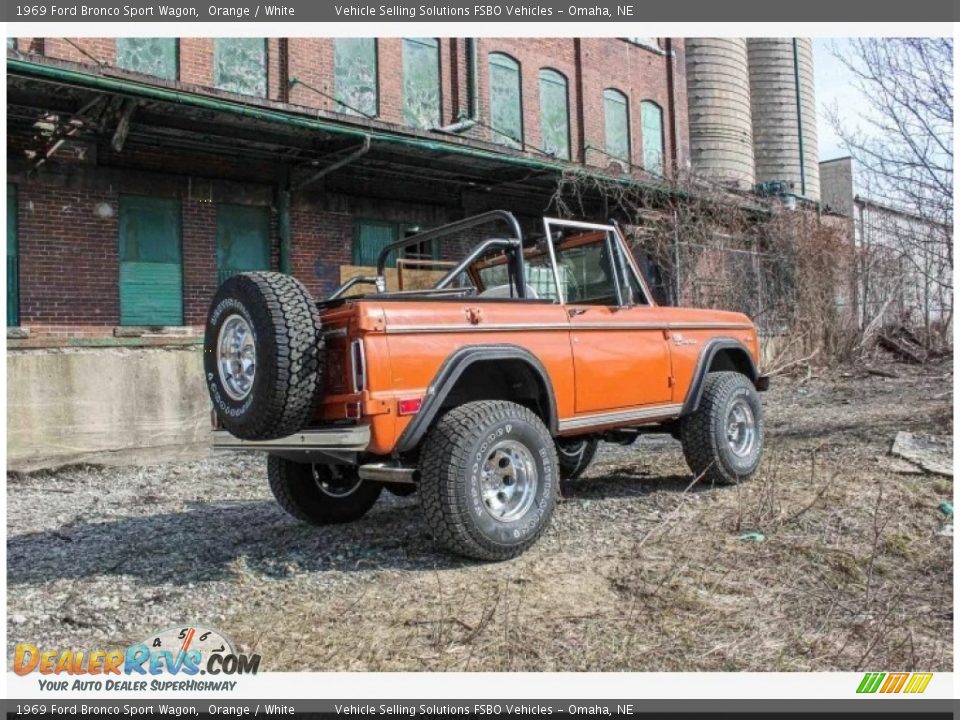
(262, 355)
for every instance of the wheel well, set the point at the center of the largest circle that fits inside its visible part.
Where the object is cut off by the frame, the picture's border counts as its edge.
(511, 379)
(732, 359)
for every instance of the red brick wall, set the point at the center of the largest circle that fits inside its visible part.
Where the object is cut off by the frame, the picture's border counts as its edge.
(69, 256)
(199, 259)
(639, 72)
(322, 241)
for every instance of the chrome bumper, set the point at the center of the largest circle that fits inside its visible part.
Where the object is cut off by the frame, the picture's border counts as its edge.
(345, 439)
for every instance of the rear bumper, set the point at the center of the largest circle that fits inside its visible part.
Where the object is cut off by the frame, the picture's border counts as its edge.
(343, 439)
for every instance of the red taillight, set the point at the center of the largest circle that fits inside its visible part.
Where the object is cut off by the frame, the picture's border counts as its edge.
(409, 406)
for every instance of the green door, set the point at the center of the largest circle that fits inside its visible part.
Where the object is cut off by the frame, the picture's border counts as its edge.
(243, 240)
(151, 269)
(13, 260)
(369, 238)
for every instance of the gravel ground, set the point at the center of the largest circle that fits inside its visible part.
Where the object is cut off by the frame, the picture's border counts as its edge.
(636, 573)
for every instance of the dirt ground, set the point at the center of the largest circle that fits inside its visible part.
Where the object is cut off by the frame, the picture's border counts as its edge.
(638, 572)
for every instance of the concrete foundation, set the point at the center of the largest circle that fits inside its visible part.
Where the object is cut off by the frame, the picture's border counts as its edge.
(109, 406)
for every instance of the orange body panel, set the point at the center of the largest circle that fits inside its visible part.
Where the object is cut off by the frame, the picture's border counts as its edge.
(599, 360)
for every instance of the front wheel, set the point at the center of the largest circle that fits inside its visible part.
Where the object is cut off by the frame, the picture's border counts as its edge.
(723, 439)
(488, 479)
(320, 494)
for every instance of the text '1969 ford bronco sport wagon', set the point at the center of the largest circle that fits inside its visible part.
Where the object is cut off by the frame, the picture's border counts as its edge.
(483, 393)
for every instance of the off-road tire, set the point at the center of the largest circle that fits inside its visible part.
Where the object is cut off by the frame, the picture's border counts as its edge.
(703, 433)
(297, 488)
(574, 456)
(450, 486)
(285, 325)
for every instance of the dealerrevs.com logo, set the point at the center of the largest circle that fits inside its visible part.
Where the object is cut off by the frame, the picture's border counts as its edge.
(167, 660)
(894, 683)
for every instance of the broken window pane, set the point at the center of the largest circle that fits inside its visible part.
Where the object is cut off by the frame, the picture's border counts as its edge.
(421, 82)
(617, 122)
(355, 76)
(506, 115)
(651, 118)
(554, 114)
(240, 65)
(151, 56)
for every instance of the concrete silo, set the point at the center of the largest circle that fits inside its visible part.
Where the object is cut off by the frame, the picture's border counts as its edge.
(784, 113)
(718, 95)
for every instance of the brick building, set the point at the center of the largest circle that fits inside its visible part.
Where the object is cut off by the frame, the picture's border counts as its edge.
(142, 171)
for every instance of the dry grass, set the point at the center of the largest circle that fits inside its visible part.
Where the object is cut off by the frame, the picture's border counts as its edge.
(641, 573)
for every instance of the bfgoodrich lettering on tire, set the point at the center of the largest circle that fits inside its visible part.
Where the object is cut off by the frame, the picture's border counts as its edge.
(262, 354)
(723, 439)
(489, 479)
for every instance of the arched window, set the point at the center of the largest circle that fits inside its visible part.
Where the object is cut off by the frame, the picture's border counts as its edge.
(506, 107)
(651, 118)
(616, 117)
(554, 114)
(355, 76)
(421, 82)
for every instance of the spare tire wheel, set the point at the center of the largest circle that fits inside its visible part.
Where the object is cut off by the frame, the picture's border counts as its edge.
(262, 355)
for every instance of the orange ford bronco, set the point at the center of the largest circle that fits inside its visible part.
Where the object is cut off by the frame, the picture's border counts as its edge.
(482, 393)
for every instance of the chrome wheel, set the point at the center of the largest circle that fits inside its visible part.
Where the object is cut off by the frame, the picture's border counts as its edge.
(741, 428)
(236, 357)
(335, 481)
(508, 480)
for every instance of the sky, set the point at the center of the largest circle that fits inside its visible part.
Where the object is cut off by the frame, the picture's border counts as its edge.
(833, 85)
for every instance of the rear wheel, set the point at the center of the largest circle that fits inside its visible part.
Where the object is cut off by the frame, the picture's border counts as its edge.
(320, 494)
(575, 456)
(723, 439)
(488, 482)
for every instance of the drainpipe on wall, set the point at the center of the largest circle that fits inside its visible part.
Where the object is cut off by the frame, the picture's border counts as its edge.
(578, 81)
(283, 219)
(473, 87)
(357, 153)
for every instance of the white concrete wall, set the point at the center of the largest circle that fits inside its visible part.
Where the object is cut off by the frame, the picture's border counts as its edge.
(105, 405)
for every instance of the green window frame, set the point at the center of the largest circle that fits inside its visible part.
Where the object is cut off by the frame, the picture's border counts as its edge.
(355, 76)
(243, 239)
(506, 100)
(421, 82)
(151, 261)
(616, 117)
(554, 114)
(371, 236)
(240, 65)
(651, 118)
(151, 56)
(13, 258)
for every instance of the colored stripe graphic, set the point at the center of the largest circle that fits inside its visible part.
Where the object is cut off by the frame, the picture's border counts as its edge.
(892, 683)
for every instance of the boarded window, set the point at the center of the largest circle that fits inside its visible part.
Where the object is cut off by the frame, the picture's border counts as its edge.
(554, 114)
(151, 56)
(151, 273)
(355, 76)
(13, 260)
(369, 238)
(421, 82)
(506, 109)
(11, 44)
(617, 123)
(240, 65)
(243, 240)
(651, 118)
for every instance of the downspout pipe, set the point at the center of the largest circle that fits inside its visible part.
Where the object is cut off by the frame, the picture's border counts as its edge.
(473, 86)
(357, 153)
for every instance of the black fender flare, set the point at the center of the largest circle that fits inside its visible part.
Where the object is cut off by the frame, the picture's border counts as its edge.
(707, 354)
(451, 370)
